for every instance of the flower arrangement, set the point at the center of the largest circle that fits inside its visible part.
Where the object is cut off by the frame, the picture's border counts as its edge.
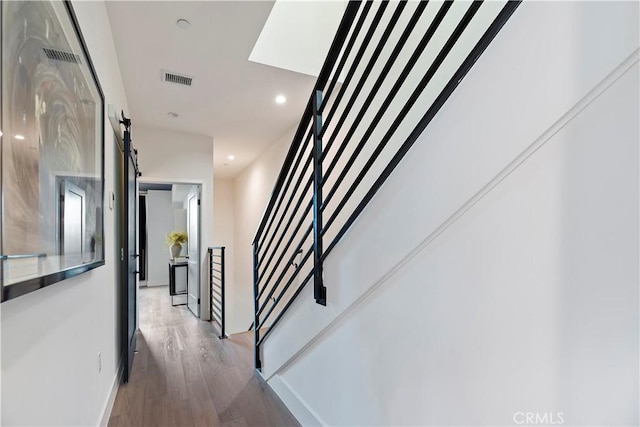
(175, 237)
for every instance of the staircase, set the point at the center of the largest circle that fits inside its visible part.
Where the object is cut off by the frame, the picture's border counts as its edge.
(401, 271)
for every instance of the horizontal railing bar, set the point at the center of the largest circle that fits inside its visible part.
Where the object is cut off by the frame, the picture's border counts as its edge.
(20, 256)
(336, 45)
(354, 66)
(286, 307)
(284, 251)
(455, 80)
(286, 267)
(284, 290)
(383, 75)
(217, 314)
(216, 263)
(216, 247)
(286, 187)
(305, 212)
(293, 214)
(433, 27)
(345, 54)
(216, 292)
(462, 25)
(291, 196)
(364, 78)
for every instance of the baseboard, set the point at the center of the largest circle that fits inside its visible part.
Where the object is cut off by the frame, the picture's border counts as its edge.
(106, 413)
(294, 403)
(151, 285)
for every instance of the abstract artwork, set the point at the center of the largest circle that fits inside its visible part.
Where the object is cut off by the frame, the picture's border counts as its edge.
(52, 152)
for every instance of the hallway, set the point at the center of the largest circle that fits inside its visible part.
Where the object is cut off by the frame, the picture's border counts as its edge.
(183, 375)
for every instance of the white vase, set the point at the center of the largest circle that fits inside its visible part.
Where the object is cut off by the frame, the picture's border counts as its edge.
(174, 250)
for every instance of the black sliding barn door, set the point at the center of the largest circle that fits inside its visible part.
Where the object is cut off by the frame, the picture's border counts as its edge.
(129, 256)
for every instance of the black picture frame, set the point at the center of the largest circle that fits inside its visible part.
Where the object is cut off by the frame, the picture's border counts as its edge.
(93, 98)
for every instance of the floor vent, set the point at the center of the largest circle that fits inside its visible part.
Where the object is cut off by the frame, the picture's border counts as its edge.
(181, 79)
(59, 55)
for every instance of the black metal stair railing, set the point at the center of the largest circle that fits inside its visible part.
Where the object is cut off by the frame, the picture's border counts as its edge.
(389, 70)
(217, 287)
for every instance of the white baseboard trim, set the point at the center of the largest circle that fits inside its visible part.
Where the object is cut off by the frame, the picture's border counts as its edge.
(106, 413)
(294, 403)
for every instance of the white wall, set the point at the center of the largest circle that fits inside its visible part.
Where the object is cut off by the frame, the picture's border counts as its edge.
(223, 235)
(173, 157)
(51, 337)
(178, 197)
(160, 221)
(180, 224)
(509, 276)
(252, 189)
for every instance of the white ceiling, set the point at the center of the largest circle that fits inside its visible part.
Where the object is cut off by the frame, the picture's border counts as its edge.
(232, 99)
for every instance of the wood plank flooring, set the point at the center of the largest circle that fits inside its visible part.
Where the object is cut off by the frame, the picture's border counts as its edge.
(183, 375)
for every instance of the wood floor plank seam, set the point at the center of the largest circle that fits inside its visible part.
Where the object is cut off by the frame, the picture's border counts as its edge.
(184, 375)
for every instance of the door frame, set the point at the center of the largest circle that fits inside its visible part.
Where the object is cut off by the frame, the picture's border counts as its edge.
(187, 181)
(198, 197)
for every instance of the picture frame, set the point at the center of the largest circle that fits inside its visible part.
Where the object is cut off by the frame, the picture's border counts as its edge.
(51, 149)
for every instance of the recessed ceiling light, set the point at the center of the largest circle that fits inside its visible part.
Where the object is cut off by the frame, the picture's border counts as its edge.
(183, 24)
(280, 99)
(172, 114)
(20, 137)
(231, 157)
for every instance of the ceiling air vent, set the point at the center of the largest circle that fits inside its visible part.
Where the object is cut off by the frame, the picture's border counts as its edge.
(181, 79)
(59, 55)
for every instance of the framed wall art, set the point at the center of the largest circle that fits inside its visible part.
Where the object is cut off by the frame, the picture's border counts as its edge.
(52, 149)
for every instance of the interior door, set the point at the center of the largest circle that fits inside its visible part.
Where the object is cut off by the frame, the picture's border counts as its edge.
(193, 242)
(72, 224)
(129, 256)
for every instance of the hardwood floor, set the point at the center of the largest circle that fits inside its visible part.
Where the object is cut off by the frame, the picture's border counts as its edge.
(183, 375)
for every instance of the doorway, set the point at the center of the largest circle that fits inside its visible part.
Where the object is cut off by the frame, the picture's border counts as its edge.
(164, 208)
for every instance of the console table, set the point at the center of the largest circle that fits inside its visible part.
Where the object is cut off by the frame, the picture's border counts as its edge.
(178, 279)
